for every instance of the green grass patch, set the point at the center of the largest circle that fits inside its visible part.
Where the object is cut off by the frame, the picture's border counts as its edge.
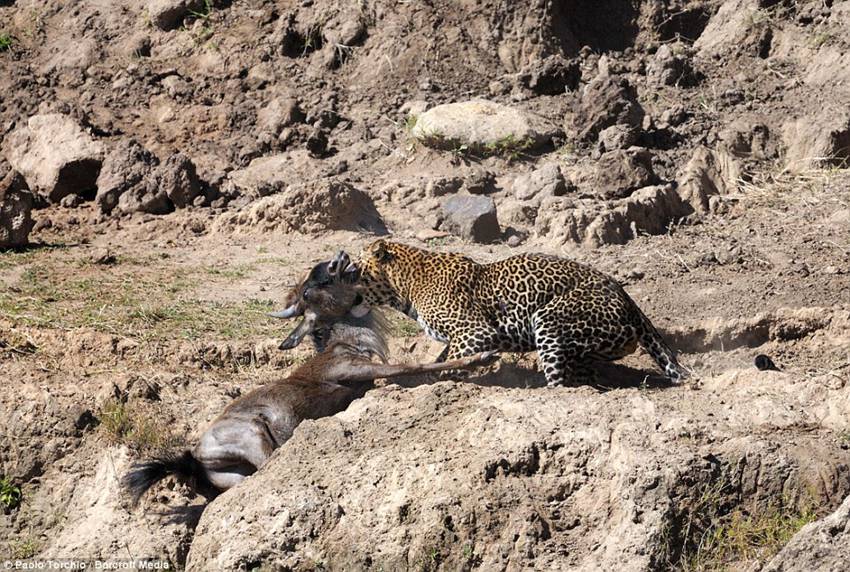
(715, 536)
(6, 41)
(10, 494)
(748, 537)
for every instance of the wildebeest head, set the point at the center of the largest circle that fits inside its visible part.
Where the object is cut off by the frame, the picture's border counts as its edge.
(325, 296)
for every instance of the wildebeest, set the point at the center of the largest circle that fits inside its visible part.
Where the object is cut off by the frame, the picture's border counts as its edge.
(243, 437)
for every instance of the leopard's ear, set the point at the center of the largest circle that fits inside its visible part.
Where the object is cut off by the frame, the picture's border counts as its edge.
(381, 252)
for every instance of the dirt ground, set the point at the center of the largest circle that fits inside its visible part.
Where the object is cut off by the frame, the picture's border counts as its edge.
(125, 333)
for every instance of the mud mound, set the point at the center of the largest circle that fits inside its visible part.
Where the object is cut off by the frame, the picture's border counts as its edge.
(307, 209)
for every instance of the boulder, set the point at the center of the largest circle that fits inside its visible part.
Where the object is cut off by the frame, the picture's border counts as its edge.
(481, 126)
(125, 166)
(177, 177)
(728, 28)
(309, 208)
(649, 210)
(818, 140)
(707, 174)
(472, 217)
(55, 156)
(605, 101)
(16, 204)
(820, 545)
(618, 173)
(546, 180)
(168, 14)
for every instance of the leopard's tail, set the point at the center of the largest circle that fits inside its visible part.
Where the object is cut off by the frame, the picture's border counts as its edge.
(662, 353)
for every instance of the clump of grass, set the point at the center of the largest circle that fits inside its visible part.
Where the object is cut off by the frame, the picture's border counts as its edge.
(410, 122)
(6, 41)
(509, 147)
(10, 494)
(137, 430)
(402, 326)
(715, 534)
(24, 548)
(748, 537)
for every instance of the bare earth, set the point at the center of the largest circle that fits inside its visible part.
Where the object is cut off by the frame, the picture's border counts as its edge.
(126, 332)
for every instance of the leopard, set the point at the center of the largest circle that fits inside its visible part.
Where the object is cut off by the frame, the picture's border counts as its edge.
(569, 312)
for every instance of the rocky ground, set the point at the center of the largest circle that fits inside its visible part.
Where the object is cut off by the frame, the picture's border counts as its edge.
(168, 168)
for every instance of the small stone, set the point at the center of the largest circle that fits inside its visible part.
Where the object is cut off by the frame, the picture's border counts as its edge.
(103, 256)
(168, 14)
(16, 204)
(544, 181)
(514, 240)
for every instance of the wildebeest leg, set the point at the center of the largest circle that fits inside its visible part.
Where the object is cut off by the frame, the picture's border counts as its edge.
(365, 371)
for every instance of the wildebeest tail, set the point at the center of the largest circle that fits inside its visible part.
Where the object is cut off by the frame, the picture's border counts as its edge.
(144, 475)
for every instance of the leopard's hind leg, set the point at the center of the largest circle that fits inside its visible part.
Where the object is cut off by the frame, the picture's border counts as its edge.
(572, 331)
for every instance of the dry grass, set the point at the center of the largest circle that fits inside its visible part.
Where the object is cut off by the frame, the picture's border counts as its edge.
(714, 537)
(748, 537)
(137, 429)
(128, 299)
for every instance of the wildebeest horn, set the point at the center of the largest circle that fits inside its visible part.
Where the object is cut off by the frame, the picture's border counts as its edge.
(298, 334)
(285, 313)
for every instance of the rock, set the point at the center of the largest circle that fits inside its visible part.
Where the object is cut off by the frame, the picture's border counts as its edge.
(552, 76)
(350, 32)
(103, 520)
(481, 126)
(618, 173)
(431, 234)
(820, 545)
(670, 68)
(271, 174)
(818, 140)
(125, 166)
(178, 179)
(317, 142)
(280, 112)
(440, 186)
(145, 199)
(71, 201)
(55, 156)
(480, 182)
(546, 181)
(16, 204)
(308, 208)
(728, 28)
(748, 138)
(138, 46)
(617, 137)
(649, 210)
(168, 14)
(564, 479)
(606, 101)
(708, 173)
(472, 217)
